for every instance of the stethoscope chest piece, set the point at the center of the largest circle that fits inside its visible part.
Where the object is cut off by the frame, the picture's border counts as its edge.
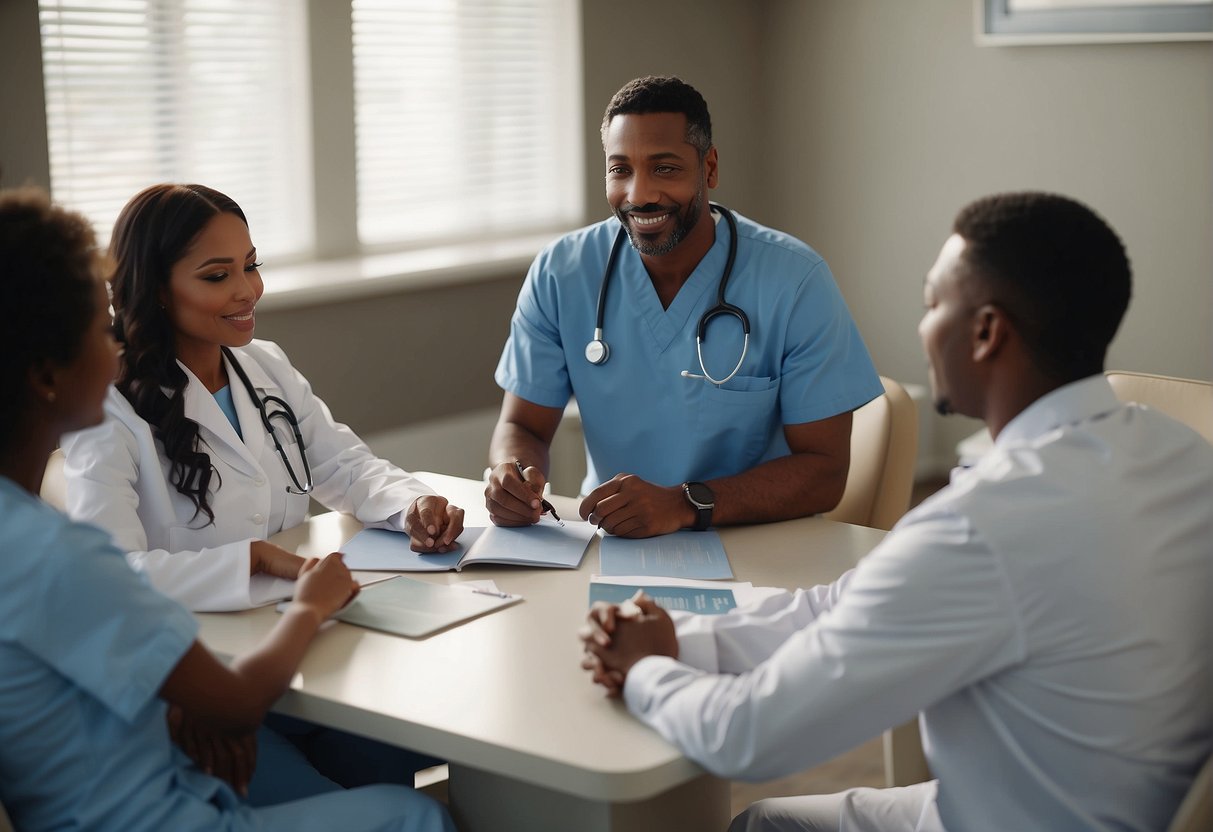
(597, 351)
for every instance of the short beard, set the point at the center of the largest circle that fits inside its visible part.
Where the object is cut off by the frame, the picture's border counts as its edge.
(684, 226)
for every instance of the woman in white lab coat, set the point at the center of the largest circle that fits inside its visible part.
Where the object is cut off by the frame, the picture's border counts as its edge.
(184, 473)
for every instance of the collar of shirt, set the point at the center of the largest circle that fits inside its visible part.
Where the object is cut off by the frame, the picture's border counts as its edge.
(1075, 402)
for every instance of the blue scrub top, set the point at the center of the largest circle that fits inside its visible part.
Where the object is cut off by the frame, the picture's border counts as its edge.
(85, 646)
(805, 360)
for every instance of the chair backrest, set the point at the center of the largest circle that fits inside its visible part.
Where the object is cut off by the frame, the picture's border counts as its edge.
(5, 824)
(1183, 399)
(54, 483)
(884, 444)
(1191, 402)
(1195, 813)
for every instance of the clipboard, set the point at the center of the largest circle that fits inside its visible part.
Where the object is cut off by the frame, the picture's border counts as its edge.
(415, 609)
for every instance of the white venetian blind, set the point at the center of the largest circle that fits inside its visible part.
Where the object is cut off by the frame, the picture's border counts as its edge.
(208, 91)
(467, 116)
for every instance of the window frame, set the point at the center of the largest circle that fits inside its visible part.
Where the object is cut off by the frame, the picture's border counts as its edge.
(997, 24)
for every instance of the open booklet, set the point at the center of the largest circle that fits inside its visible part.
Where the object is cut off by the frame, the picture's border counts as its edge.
(543, 544)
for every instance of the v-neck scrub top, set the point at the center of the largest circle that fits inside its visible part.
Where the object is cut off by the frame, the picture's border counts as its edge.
(805, 360)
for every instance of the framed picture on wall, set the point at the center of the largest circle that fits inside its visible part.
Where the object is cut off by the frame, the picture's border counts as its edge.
(1023, 22)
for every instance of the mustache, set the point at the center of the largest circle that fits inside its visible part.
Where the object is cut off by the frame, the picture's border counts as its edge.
(649, 208)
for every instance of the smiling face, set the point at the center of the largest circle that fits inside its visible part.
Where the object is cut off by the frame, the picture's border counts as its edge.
(947, 330)
(656, 182)
(212, 291)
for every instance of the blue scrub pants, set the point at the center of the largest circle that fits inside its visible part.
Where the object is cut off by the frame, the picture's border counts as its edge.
(368, 809)
(297, 759)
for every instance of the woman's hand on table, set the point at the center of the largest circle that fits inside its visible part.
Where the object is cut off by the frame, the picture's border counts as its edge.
(433, 524)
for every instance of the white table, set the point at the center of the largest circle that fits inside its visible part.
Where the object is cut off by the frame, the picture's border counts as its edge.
(532, 745)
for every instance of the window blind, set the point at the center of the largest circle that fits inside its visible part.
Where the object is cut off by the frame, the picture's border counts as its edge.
(467, 118)
(209, 91)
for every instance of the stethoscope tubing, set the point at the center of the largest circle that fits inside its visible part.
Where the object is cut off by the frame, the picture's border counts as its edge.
(597, 351)
(305, 485)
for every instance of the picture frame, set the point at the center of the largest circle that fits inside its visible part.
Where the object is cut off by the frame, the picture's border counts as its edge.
(1039, 22)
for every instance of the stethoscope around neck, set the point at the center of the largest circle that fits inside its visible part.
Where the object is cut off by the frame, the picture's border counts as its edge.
(598, 351)
(287, 415)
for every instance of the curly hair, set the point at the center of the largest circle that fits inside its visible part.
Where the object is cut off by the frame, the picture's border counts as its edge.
(49, 267)
(663, 94)
(1057, 268)
(152, 233)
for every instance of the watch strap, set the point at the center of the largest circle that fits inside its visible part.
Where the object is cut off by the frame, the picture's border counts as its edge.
(703, 512)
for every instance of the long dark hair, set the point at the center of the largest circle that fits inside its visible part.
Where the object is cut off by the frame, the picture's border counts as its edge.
(151, 234)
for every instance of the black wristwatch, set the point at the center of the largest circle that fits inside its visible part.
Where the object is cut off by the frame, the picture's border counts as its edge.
(703, 500)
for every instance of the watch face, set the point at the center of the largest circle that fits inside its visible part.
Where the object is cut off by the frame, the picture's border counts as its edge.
(700, 494)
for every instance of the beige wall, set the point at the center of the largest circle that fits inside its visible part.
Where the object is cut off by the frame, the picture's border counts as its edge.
(886, 119)
(713, 45)
(23, 159)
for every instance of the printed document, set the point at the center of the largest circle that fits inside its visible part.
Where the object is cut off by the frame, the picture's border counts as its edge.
(684, 554)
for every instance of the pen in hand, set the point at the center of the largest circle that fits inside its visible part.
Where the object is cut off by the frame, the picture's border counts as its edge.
(548, 508)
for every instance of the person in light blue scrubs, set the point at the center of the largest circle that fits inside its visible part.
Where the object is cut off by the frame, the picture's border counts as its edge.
(735, 429)
(110, 708)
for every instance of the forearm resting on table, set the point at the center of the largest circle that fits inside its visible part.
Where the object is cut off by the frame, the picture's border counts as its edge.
(780, 489)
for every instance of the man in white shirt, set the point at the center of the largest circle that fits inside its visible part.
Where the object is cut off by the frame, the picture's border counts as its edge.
(1048, 612)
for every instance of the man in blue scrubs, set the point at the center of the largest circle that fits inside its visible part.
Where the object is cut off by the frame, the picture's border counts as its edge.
(667, 448)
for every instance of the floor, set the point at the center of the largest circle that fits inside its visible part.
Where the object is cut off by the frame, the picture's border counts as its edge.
(861, 766)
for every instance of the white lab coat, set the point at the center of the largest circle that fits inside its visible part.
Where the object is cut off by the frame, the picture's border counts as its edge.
(118, 479)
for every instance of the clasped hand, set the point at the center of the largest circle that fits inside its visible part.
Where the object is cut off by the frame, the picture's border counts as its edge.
(614, 641)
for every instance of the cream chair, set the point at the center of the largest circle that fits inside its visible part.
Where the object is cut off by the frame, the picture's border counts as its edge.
(1185, 400)
(884, 443)
(1191, 402)
(54, 484)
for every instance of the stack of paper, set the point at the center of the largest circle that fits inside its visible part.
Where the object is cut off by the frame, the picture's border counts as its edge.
(679, 571)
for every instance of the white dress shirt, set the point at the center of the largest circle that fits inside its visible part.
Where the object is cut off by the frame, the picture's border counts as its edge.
(1049, 613)
(118, 478)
